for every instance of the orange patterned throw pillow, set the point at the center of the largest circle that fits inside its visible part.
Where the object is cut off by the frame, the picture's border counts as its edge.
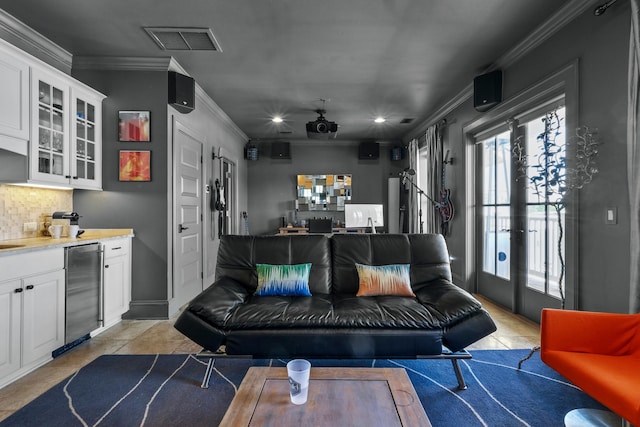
(391, 279)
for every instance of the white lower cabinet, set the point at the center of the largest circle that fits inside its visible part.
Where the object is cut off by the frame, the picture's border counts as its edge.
(117, 280)
(10, 321)
(31, 311)
(32, 303)
(42, 324)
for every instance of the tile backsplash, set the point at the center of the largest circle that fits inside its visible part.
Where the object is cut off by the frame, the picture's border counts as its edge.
(19, 205)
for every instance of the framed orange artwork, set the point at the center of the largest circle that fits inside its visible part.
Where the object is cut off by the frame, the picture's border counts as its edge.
(135, 165)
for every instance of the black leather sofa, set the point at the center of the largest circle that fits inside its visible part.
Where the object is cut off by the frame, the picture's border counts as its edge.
(334, 323)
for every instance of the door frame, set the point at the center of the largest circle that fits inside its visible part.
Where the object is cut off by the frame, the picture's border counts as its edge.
(563, 81)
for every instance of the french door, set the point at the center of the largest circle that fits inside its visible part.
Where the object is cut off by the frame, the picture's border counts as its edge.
(520, 222)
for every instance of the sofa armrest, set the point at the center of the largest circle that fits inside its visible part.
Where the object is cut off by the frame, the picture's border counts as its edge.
(450, 301)
(589, 332)
(216, 303)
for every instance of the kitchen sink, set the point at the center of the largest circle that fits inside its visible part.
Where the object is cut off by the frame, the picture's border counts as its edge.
(10, 246)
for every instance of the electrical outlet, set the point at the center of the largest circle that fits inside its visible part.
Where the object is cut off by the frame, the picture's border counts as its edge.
(29, 227)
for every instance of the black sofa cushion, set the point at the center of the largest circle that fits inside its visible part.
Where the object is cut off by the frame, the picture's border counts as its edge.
(337, 311)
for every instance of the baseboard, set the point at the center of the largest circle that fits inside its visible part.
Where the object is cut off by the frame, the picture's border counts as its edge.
(147, 310)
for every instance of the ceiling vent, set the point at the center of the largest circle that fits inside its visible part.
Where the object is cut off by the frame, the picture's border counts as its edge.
(172, 38)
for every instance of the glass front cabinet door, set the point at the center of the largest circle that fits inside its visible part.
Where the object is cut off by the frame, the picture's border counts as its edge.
(50, 129)
(86, 147)
(66, 142)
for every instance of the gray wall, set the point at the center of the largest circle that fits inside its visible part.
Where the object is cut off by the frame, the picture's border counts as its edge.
(138, 205)
(601, 45)
(272, 182)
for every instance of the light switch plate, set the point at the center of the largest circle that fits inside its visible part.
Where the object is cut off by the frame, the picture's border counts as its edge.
(611, 215)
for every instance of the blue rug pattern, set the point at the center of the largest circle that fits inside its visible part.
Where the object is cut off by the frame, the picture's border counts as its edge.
(164, 390)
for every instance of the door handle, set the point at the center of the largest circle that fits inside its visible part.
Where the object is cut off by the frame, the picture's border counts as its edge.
(181, 228)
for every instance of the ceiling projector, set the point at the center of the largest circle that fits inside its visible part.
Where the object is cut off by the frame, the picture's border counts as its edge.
(321, 128)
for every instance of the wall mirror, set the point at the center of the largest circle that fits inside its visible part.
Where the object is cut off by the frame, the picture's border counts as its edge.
(323, 192)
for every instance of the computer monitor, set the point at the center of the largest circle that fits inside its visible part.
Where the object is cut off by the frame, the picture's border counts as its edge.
(363, 215)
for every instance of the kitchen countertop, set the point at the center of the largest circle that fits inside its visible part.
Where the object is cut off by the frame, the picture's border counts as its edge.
(90, 235)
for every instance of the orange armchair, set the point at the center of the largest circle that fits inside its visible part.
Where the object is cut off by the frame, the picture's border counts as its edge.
(598, 352)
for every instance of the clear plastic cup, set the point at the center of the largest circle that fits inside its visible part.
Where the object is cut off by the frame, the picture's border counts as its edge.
(298, 371)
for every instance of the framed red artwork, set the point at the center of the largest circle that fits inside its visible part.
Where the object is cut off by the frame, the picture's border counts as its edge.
(134, 126)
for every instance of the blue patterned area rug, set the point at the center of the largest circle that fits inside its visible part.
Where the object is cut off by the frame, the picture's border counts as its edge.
(164, 390)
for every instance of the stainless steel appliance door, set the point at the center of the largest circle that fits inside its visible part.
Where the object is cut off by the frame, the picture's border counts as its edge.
(83, 270)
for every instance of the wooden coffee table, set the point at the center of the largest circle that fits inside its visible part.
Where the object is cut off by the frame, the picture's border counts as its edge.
(337, 396)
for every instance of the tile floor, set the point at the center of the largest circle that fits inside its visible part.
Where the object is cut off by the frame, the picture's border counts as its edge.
(159, 336)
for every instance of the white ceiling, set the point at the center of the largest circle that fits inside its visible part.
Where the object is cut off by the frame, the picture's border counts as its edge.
(395, 58)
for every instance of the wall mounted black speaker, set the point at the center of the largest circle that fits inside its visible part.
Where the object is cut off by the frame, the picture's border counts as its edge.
(368, 151)
(280, 150)
(182, 92)
(487, 90)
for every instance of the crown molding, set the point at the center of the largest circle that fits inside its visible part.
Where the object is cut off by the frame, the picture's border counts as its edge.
(122, 63)
(174, 65)
(563, 16)
(215, 109)
(26, 38)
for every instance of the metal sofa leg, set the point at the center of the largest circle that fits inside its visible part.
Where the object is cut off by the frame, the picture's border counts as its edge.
(456, 368)
(207, 373)
(454, 357)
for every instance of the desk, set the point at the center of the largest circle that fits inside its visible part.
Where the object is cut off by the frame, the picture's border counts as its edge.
(304, 230)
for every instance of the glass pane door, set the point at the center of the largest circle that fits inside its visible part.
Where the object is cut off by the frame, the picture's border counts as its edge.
(494, 275)
(545, 144)
(85, 141)
(51, 128)
(521, 214)
(228, 182)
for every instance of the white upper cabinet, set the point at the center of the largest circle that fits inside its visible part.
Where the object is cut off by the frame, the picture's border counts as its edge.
(51, 117)
(14, 108)
(66, 127)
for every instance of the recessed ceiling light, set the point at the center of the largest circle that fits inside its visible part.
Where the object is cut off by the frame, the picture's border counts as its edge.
(380, 120)
(277, 119)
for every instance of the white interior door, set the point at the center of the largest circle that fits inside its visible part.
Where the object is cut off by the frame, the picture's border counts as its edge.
(187, 218)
